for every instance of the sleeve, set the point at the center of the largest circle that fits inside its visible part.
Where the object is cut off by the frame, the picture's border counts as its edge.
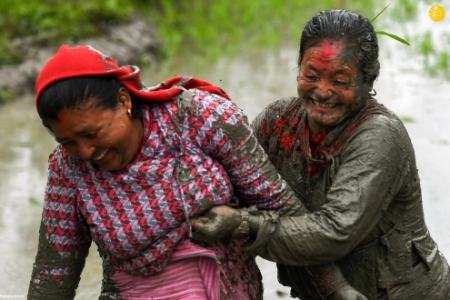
(223, 132)
(369, 176)
(264, 125)
(64, 239)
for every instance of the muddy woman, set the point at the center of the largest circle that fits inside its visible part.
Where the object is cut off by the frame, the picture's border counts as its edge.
(351, 162)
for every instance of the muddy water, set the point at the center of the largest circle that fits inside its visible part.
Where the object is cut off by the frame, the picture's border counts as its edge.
(253, 80)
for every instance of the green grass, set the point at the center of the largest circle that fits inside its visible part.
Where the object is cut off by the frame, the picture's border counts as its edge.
(39, 22)
(407, 119)
(201, 28)
(436, 58)
(405, 10)
(213, 28)
(426, 47)
(442, 65)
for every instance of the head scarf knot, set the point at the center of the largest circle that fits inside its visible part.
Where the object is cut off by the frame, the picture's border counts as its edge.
(78, 61)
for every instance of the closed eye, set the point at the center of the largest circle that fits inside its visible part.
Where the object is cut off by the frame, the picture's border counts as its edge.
(90, 135)
(67, 143)
(311, 78)
(341, 83)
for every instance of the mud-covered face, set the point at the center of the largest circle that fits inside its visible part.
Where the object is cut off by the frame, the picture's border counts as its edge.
(109, 138)
(329, 85)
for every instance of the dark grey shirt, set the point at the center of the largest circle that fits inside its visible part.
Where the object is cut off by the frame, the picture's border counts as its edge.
(366, 213)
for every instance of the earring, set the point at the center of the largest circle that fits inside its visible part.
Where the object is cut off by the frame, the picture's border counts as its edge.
(122, 98)
(129, 112)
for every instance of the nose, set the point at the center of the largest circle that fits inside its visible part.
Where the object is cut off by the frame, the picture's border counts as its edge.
(85, 150)
(323, 91)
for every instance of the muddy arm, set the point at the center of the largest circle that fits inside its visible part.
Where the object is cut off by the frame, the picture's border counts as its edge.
(256, 180)
(64, 238)
(370, 174)
(55, 276)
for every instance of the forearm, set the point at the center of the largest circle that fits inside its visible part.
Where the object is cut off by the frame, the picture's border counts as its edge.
(327, 277)
(296, 240)
(368, 178)
(54, 276)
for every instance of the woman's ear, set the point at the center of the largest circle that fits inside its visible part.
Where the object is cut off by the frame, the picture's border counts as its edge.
(124, 98)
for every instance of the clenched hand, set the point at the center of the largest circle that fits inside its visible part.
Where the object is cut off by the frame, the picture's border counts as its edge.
(217, 224)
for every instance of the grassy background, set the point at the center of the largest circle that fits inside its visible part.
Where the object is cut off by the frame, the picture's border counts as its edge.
(203, 27)
(202, 30)
(33, 23)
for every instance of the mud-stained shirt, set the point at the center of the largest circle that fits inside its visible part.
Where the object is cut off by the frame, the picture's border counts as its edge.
(362, 187)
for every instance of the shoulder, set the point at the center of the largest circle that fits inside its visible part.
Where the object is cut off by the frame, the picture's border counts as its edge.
(385, 124)
(198, 99)
(382, 135)
(209, 107)
(276, 110)
(282, 106)
(60, 164)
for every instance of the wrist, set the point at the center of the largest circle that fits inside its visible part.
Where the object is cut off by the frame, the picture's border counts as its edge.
(242, 231)
(254, 222)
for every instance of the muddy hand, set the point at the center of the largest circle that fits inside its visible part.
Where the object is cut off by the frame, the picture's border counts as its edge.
(347, 293)
(218, 223)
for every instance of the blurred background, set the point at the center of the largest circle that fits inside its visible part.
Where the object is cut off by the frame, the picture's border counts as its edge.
(248, 47)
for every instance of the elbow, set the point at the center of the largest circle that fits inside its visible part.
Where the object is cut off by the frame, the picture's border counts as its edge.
(338, 236)
(339, 250)
(334, 247)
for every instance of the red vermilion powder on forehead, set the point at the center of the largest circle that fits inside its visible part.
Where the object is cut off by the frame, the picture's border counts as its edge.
(329, 50)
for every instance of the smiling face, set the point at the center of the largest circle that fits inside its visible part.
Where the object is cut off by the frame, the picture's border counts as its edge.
(109, 138)
(329, 85)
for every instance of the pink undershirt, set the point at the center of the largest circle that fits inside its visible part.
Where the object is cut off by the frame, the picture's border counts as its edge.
(191, 274)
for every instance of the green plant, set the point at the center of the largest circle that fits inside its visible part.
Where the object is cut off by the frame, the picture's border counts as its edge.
(389, 34)
(407, 119)
(442, 64)
(34, 201)
(35, 22)
(202, 27)
(405, 10)
(214, 28)
(426, 47)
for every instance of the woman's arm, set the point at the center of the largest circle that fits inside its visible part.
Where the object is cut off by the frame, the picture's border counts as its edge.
(227, 136)
(370, 174)
(55, 276)
(223, 132)
(64, 240)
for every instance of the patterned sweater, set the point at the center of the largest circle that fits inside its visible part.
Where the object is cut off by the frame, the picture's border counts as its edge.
(197, 150)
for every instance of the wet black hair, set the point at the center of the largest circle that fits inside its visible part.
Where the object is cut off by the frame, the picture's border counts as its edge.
(68, 93)
(352, 28)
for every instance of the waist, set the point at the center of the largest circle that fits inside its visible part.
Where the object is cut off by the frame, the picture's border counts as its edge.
(191, 273)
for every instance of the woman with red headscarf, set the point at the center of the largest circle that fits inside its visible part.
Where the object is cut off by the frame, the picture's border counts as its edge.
(133, 167)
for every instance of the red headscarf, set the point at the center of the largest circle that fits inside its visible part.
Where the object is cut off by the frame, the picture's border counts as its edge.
(83, 60)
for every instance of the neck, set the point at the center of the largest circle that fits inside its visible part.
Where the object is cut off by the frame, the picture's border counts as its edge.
(138, 135)
(314, 128)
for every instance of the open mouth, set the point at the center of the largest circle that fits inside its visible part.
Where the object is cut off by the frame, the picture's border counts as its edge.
(323, 105)
(101, 155)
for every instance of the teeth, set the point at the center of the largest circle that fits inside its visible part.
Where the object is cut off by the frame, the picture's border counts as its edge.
(101, 155)
(324, 105)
